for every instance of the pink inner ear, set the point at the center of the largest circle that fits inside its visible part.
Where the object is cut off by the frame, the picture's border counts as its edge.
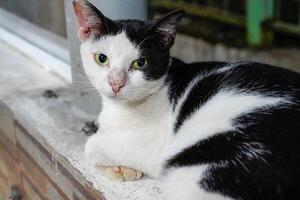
(87, 32)
(88, 23)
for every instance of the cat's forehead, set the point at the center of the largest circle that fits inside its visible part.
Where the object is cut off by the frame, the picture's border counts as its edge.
(134, 30)
(118, 39)
(135, 27)
(126, 38)
(118, 45)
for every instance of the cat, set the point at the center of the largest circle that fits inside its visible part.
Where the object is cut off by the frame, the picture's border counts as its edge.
(205, 130)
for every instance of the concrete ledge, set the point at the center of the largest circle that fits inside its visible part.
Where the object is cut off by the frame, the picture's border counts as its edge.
(51, 127)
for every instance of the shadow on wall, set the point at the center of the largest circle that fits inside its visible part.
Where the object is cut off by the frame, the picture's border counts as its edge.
(49, 15)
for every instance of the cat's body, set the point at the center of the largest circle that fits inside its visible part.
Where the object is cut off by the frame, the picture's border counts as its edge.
(205, 130)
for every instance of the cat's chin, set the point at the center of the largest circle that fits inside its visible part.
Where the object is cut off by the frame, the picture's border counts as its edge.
(118, 97)
(112, 95)
(115, 97)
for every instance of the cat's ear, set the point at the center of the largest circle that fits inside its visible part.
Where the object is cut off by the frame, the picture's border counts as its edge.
(91, 23)
(165, 28)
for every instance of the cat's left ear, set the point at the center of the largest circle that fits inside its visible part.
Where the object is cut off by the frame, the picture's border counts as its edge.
(91, 23)
(165, 28)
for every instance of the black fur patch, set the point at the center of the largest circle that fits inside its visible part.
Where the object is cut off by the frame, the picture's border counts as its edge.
(181, 74)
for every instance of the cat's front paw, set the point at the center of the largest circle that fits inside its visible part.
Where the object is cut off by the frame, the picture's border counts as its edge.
(95, 152)
(120, 173)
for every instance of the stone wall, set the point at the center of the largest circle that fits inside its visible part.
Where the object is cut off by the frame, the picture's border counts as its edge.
(192, 49)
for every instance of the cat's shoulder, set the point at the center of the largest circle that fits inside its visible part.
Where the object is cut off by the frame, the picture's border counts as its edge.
(247, 76)
(177, 66)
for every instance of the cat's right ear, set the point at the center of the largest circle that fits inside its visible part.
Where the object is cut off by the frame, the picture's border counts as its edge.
(165, 28)
(91, 23)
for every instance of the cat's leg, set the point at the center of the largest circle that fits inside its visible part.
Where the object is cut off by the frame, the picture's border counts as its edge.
(114, 155)
(184, 183)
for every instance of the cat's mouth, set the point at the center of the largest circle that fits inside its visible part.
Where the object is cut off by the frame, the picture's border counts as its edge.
(113, 94)
(116, 92)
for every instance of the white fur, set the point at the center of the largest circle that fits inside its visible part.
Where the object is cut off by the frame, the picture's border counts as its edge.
(227, 67)
(137, 132)
(133, 135)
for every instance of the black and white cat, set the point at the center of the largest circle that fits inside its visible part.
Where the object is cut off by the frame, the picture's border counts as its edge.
(207, 130)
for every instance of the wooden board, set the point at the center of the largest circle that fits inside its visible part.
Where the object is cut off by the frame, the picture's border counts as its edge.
(35, 168)
(29, 192)
(49, 171)
(7, 122)
(37, 178)
(9, 171)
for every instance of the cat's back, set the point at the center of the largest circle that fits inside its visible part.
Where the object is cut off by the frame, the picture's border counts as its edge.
(212, 92)
(229, 91)
(244, 114)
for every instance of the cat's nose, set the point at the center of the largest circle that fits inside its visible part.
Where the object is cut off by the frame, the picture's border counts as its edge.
(116, 87)
(117, 80)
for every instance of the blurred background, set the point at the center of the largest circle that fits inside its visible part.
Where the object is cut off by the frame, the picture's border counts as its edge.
(260, 30)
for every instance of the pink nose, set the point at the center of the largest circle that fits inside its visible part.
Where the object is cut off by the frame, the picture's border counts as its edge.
(117, 80)
(116, 87)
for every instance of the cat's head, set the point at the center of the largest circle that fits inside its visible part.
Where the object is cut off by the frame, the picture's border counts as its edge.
(125, 59)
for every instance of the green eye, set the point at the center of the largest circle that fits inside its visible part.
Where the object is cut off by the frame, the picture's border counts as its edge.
(139, 63)
(101, 59)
